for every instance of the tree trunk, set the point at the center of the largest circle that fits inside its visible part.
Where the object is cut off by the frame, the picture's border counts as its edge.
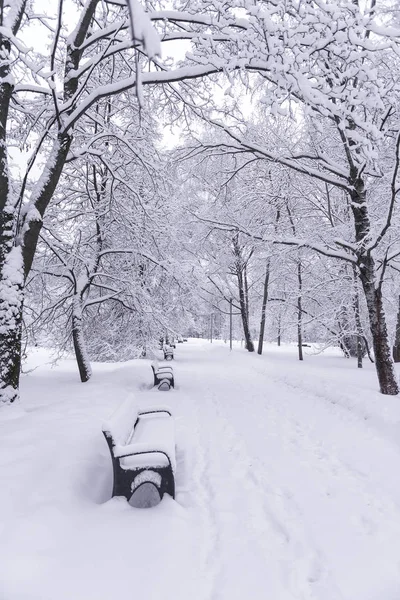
(82, 357)
(240, 272)
(244, 313)
(263, 310)
(359, 329)
(279, 330)
(11, 276)
(299, 311)
(11, 302)
(384, 365)
(246, 290)
(396, 346)
(373, 293)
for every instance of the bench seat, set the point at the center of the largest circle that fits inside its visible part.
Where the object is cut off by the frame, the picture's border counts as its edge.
(138, 461)
(165, 374)
(152, 434)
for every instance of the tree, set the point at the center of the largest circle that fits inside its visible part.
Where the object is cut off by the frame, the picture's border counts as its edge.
(342, 82)
(342, 87)
(52, 103)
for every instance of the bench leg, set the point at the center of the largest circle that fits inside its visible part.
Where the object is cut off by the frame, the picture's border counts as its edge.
(168, 484)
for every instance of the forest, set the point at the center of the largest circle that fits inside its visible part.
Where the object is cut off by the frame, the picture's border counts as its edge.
(199, 299)
(162, 166)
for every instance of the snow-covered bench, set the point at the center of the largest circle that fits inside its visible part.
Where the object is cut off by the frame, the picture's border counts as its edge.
(163, 377)
(142, 447)
(168, 353)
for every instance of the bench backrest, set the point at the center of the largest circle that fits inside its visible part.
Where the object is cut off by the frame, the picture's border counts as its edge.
(120, 425)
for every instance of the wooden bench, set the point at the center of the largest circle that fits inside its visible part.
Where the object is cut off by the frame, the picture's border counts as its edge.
(142, 448)
(163, 377)
(168, 353)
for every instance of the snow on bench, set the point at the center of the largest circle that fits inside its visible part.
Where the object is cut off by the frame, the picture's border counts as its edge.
(168, 353)
(163, 377)
(142, 448)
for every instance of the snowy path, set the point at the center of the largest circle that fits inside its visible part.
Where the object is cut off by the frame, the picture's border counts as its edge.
(294, 501)
(287, 485)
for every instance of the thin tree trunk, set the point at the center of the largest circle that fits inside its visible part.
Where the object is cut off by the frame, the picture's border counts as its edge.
(263, 309)
(299, 310)
(359, 329)
(367, 349)
(396, 346)
(300, 289)
(81, 354)
(383, 360)
(246, 290)
(279, 330)
(373, 294)
(240, 268)
(244, 313)
(230, 324)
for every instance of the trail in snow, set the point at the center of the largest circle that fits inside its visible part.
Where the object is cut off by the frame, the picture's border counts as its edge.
(288, 495)
(287, 485)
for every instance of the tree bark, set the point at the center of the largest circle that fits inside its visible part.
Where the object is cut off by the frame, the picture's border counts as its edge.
(11, 278)
(240, 271)
(373, 293)
(263, 309)
(246, 290)
(383, 360)
(244, 313)
(396, 346)
(299, 310)
(279, 330)
(11, 303)
(81, 354)
(357, 317)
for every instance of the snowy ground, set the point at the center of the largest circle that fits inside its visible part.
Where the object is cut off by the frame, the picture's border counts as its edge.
(287, 486)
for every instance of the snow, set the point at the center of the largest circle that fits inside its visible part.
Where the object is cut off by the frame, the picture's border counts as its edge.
(152, 433)
(120, 424)
(137, 461)
(147, 477)
(287, 482)
(143, 30)
(10, 302)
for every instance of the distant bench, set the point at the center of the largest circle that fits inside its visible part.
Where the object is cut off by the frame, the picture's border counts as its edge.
(168, 353)
(142, 448)
(163, 377)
